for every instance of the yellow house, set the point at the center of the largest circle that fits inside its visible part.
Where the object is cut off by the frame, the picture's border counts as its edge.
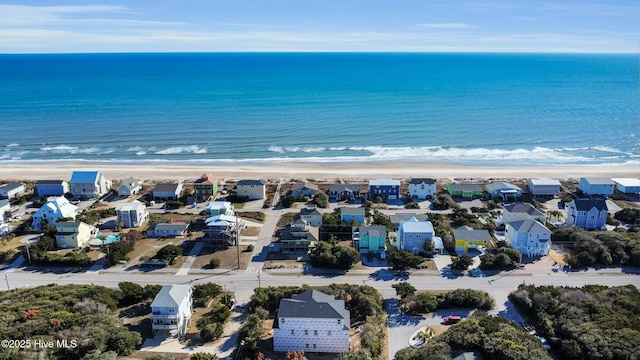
(467, 238)
(72, 234)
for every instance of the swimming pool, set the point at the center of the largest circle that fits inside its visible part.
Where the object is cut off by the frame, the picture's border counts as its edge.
(109, 239)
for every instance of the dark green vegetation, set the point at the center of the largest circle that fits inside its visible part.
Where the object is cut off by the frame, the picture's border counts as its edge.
(403, 260)
(502, 258)
(461, 262)
(93, 216)
(428, 301)
(321, 200)
(203, 293)
(588, 323)
(169, 253)
(494, 337)
(365, 305)
(333, 256)
(39, 252)
(628, 215)
(84, 314)
(595, 248)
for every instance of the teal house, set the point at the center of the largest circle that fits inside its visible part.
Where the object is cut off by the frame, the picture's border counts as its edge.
(370, 239)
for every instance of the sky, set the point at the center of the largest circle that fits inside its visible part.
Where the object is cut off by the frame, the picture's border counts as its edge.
(81, 26)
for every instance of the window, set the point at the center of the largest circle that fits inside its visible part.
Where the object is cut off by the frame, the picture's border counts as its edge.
(314, 346)
(339, 321)
(329, 332)
(422, 187)
(306, 332)
(307, 346)
(293, 332)
(283, 319)
(315, 332)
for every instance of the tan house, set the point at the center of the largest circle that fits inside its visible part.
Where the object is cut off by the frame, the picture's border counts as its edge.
(72, 234)
(251, 189)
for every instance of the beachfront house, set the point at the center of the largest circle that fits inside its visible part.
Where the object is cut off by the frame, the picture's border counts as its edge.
(507, 192)
(132, 214)
(12, 190)
(529, 237)
(171, 310)
(422, 188)
(412, 234)
(129, 187)
(344, 192)
(299, 236)
(251, 189)
(72, 234)
(521, 212)
(5, 206)
(55, 208)
(588, 214)
(311, 215)
(214, 208)
(628, 186)
(167, 191)
(205, 187)
(349, 215)
(51, 188)
(468, 238)
(168, 230)
(311, 322)
(465, 191)
(89, 184)
(597, 186)
(370, 239)
(304, 188)
(385, 189)
(544, 187)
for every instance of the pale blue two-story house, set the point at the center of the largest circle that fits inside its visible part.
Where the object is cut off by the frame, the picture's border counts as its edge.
(588, 214)
(597, 186)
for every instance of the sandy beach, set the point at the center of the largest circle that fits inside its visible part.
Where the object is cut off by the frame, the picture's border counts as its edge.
(165, 171)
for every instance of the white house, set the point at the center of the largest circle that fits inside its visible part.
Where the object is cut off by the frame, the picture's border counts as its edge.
(168, 230)
(132, 214)
(597, 186)
(223, 224)
(529, 237)
(214, 208)
(5, 206)
(412, 235)
(171, 309)
(312, 322)
(504, 190)
(303, 188)
(52, 187)
(588, 214)
(12, 190)
(627, 185)
(311, 215)
(251, 189)
(129, 187)
(89, 184)
(544, 187)
(56, 207)
(520, 212)
(422, 188)
(167, 191)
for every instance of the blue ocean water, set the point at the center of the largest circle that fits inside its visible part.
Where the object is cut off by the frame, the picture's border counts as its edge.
(497, 109)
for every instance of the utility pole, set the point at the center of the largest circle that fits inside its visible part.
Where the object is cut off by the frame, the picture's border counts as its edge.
(238, 241)
(28, 253)
(6, 277)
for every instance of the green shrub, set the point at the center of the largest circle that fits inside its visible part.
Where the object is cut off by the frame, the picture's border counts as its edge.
(214, 263)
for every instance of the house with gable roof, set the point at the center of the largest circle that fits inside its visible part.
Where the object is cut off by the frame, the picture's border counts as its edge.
(349, 214)
(422, 188)
(544, 187)
(299, 236)
(167, 191)
(171, 309)
(132, 214)
(529, 237)
(214, 208)
(520, 212)
(56, 207)
(12, 190)
(168, 229)
(5, 207)
(507, 192)
(72, 234)
(205, 187)
(588, 214)
(251, 189)
(304, 188)
(341, 192)
(412, 234)
(311, 215)
(468, 238)
(370, 239)
(312, 322)
(387, 189)
(89, 184)
(129, 187)
(597, 186)
(466, 191)
(51, 188)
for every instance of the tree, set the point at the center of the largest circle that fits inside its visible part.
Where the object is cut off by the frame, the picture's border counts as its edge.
(404, 289)
(214, 263)
(321, 200)
(288, 200)
(295, 355)
(462, 262)
(123, 341)
(202, 293)
(131, 293)
(403, 260)
(169, 253)
(211, 332)
(203, 356)
(429, 246)
(333, 256)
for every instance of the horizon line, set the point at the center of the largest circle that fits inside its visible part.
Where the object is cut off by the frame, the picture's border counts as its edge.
(327, 52)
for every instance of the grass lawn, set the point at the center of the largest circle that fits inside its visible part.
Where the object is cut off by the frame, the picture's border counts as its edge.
(228, 257)
(147, 248)
(250, 231)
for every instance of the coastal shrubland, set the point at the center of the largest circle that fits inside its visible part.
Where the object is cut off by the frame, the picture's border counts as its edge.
(595, 248)
(403, 260)
(328, 255)
(493, 336)
(429, 301)
(92, 216)
(501, 258)
(588, 323)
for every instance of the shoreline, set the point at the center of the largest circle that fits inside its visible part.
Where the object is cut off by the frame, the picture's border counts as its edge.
(61, 170)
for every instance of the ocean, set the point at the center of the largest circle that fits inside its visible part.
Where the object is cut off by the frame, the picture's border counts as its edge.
(218, 108)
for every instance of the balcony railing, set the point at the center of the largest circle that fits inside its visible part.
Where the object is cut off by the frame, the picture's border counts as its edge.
(163, 316)
(165, 326)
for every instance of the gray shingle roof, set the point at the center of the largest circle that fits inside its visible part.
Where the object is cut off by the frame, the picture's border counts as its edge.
(397, 218)
(352, 211)
(523, 208)
(166, 187)
(251, 182)
(588, 204)
(303, 184)
(344, 188)
(467, 233)
(11, 186)
(170, 227)
(466, 187)
(530, 226)
(310, 211)
(50, 182)
(422, 180)
(314, 304)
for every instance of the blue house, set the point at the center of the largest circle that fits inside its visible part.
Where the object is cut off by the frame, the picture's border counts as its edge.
(388, 189)
(597, 186)
(51, 188)
(348, 215)
(588, 214)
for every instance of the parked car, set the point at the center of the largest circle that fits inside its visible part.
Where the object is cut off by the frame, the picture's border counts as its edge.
(452, 319)
(544, 342)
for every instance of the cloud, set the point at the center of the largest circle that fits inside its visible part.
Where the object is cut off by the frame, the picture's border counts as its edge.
(448, 26)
